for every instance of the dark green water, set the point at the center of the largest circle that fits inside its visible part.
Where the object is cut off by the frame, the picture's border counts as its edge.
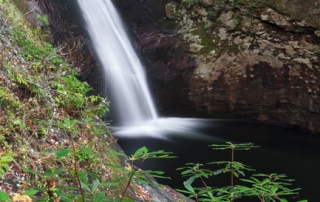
(289, 151)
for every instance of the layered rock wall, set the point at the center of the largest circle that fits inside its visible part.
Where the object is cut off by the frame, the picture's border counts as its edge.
(255, 60)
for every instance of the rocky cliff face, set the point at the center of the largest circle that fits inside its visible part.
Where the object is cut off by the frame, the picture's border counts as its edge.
(249, 59)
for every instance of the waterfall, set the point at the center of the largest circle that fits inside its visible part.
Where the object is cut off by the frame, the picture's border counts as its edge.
(120, 63)
(125, 74)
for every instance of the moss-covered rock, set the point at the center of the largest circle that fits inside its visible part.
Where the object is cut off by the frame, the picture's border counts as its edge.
(263, 47)
(207, 3)
(174, 10)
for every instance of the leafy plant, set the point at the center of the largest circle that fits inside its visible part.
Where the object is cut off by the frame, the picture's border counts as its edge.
(267, 188)
(71, 92)
(135, 173)
(233, 167)
(43, 18)
(5, 159)
(7, 98)
(270, 187)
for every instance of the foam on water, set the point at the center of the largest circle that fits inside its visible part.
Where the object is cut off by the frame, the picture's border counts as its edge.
(164, 128)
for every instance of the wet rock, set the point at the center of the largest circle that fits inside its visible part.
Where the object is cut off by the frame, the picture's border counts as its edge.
(188, 4)
(227, 20)
(317, 32)
(207, 3)
(274, 17)
(173, 10)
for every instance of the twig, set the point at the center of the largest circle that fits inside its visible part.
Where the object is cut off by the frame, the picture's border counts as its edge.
(130, 179)
(77, 171)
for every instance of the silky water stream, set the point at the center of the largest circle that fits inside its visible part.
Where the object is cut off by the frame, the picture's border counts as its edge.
(283, 150)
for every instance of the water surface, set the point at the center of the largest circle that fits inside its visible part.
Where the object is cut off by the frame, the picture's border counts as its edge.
(282, 150)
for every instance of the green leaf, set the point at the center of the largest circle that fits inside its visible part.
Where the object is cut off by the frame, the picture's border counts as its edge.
(128, 200)
(4, 196)
(83, 177)
(303, 201)
(87, 120)
(110, 184)
(48, 173)
(95, 185)
(139, 152)
(236, 174)
(79, 199)
(274, 189)
(184, 191)
(188, 186)
(116, 152)
(191, 180)
(85, 186)
(210, 195)
(241, 172)
(64, 197)
(31, 171)
(283, 200)
(72, 172)
(186, 172)
(114, 166)
(143, 181)
(204, 174)
(265, 181)
(114, 183)
(59, 171)
(217, 172)
(99, 197)
(31, 192)
(62, 152)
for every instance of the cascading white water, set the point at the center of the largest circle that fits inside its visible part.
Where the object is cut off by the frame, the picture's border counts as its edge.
(125, 74)
(120, 62)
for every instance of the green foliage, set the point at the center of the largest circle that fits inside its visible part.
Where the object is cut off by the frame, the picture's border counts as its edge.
(36, 112)
(4, 197)
(71, 93)
(20, 76)
(43, 18)
(231, 146)
(8, 99)
(5, 159)
(33, 51)
(85, 184)
(267, 188)
(134, 173)
(85, 154)
(90, 186)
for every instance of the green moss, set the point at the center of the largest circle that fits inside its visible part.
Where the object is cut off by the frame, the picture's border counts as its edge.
(173, 10)
(189, 3)
(39, 95)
